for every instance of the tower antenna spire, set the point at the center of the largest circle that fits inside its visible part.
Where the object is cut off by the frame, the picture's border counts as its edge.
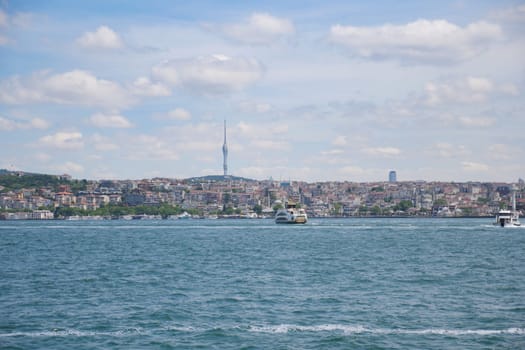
(225, 152)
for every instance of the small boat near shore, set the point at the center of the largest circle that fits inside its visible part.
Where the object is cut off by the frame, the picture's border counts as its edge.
(291, 214)
(508, 218)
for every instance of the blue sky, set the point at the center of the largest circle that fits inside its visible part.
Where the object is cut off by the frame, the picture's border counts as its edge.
(314, 91)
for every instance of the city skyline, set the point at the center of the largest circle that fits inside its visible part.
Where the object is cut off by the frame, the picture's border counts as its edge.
(338, 91)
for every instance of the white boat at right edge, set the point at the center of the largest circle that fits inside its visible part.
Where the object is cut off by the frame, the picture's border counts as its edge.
(508, 218)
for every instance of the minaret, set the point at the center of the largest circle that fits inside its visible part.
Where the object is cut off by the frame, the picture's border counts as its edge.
(225, 152)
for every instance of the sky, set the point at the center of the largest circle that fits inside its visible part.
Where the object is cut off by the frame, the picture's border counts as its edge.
(310, 90)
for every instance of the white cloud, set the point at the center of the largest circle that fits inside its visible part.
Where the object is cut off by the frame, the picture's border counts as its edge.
(148, 147)
(103, 143)
(103, 38)
(513, 14)
(70, 167)
(259, 29)
(63, 140)
(38, 123)
(382, 151)
(145, 87)
(33, 123)
(110, 121)
(42, 157)
(472, 166)
(210, 74)
(500, 151)
(254, 107)
(351, 170)
(270, 144)
(4, 21)
(339, 141)
(332, 152)
(465, 90)
(253, 131)
(179, 114)
(481, 122)
(76, 87)
(447, 150)
(425, 41)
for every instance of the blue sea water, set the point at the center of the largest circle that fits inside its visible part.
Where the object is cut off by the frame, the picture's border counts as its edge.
(251, 284)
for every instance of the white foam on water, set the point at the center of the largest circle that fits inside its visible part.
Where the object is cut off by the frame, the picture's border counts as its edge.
(346, 329)
(276, 329)
(74, 333)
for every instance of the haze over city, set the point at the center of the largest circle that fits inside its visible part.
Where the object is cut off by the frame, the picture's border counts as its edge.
(311, 91)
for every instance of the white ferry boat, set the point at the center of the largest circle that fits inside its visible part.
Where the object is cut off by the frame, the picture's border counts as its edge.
(291, 214)
(508, 218)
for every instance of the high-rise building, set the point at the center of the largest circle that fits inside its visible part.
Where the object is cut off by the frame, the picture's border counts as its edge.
(225, 152)
(392, 176)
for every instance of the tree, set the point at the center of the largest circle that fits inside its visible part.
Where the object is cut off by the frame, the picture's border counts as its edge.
(440, 202)
(277, 207)
(404, 205)
(257, 209)
(337, 209)
(376, 210)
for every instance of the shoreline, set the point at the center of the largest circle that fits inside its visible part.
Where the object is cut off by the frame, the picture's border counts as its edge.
(99, 218)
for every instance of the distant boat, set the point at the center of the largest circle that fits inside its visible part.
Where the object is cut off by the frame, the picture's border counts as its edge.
(291, 214)
(508, 218)
(184, 215)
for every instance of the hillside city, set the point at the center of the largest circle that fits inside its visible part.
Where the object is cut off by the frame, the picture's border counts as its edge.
(38, 197)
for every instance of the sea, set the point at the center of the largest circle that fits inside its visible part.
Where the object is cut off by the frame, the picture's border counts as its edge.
(360, 283)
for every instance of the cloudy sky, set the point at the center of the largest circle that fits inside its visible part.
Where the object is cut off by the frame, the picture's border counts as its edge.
(310, 90)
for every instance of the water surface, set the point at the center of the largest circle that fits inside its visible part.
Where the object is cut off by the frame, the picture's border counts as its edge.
(231, 284)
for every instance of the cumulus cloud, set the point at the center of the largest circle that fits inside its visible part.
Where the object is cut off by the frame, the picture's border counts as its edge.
(76, 87)
(501, 151)
(351, 170)
(254, 107)
(426, 41)
(8, 124)
(148, 147)
(103, 143)
(465, 90)
(332, 152)
(447, 150)
(70, 167)
(382, 151)
(179, 114)
(270, 144)
(3, 19)
(103, 38)
(259, 29)
(480, 122)
(473, 166)
(4, 22)
(63, 140)
(339, 141)
(110, 121)
(513, 14)
(145, 87)
(213, 74)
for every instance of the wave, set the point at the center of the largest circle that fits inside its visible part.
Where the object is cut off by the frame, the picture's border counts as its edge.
(346, 329)
(74, 333)
(275, 329)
